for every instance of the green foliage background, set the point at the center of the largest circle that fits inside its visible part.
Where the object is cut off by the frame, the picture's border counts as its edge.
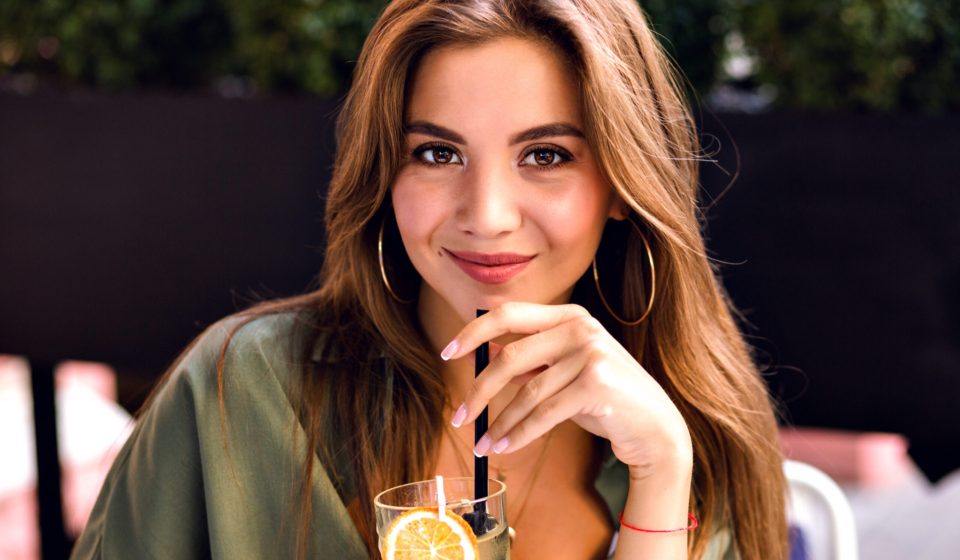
(284, 45)
(820, 54)
(856, 54)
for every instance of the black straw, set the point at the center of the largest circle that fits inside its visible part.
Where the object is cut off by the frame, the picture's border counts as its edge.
(480, 490)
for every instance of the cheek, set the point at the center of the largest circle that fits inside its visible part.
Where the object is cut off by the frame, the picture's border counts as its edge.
(419, 212)
(574, 223)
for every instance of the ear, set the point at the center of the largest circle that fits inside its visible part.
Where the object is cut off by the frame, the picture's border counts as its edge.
(619, 209)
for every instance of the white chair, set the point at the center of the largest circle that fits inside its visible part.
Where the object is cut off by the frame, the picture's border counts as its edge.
(818, 507)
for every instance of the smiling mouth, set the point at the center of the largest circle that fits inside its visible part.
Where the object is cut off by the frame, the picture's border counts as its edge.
(490, 268)
(490, 259)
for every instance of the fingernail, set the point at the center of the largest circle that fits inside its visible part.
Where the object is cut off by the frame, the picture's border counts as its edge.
(450, 350)
(482, 446)
(460, 416)
(501, 445)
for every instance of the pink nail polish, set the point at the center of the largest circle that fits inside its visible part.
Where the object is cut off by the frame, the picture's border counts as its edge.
(460, 416)
(482, 446)
(501, 445)
(450, 350)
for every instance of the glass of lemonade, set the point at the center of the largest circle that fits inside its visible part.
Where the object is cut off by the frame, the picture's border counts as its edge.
(459, 492)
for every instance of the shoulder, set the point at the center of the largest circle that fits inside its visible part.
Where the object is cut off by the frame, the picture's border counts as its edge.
(244, 343)
(214, 445)
(240, 352)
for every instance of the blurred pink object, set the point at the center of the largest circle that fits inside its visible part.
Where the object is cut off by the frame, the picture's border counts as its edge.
(96, 377)
(91, 428)
(19, 530)
(868, 459)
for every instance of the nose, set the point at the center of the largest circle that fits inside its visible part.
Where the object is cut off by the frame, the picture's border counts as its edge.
(489, 204)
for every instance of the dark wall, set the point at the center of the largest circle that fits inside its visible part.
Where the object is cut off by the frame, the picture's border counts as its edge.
(847, 227)
(127, 224)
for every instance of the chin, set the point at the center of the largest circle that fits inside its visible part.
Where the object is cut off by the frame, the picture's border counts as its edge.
(466, 302)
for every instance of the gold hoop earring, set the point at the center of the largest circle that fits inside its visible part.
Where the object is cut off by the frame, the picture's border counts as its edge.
(653, 281)
(383, 272)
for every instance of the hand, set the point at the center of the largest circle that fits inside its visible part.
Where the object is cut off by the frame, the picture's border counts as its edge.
(588, 377)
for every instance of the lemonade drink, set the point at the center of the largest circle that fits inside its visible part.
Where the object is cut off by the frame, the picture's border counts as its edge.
(404, 510)
(495, 545)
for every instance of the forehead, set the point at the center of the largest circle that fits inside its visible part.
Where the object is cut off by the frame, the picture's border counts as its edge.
(499, 87)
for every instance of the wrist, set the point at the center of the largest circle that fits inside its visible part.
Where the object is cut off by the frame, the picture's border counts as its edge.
(673, 471)
(659, 500)
(671, 460)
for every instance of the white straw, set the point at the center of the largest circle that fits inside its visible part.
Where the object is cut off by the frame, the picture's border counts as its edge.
(441, 499)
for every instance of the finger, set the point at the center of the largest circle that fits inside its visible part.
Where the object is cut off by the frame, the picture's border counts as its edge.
(539, 390)
(520, 379)
(526, 377)
(494, 349)
(511, 317)
(516, 359)
(541, 420)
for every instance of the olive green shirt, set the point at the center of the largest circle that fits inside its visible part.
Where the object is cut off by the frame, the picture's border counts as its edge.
(190, 484)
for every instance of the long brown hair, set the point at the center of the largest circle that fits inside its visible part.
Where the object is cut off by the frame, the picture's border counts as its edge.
(641, 132)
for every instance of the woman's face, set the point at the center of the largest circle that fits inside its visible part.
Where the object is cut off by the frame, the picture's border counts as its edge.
(499, 198)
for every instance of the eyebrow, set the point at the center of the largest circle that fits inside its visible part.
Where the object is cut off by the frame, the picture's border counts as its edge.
(535, 133)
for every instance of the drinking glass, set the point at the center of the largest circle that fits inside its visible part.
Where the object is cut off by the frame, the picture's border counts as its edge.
(459, 492)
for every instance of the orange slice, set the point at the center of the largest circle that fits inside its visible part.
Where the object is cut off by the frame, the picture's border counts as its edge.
(419, 534)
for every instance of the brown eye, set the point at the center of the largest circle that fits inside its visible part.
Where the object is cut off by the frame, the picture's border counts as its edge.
(439, 155)
(544, 157)
(442, 156)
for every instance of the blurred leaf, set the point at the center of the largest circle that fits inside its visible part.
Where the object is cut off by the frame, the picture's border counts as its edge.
(692, 33)
(283, 45)
(819, 54)
(857, 54)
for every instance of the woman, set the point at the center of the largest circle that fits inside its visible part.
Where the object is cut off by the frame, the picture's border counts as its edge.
(537, 160)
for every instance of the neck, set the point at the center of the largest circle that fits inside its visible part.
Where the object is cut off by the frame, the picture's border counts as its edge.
(440, 324)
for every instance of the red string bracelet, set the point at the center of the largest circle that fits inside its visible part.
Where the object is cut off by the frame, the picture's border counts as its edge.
(690, 528)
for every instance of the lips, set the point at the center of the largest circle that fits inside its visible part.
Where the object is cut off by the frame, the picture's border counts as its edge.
(490, 268)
